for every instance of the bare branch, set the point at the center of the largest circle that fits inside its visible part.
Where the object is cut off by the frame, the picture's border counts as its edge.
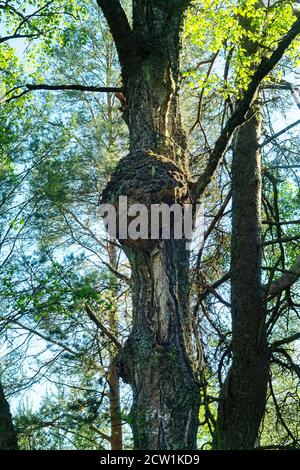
(100, 433)
(119, 275)
(282, 240)
(63, 87)
(75, 87)
(281, 342)
(283, 222)
(18, 36)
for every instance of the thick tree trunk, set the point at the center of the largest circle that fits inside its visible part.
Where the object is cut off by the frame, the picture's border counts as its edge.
(152, 88)
(8, 437)
(158, 360)
(242, 399)
(116, 434)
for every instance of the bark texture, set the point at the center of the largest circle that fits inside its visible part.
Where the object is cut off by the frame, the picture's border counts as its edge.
(242, 399)
(8, 437)
(159, 359)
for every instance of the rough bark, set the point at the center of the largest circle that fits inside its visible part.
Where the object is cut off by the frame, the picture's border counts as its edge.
(8, 437)
(116, 435)
(243, 396)
(158, 360)
(153, 104)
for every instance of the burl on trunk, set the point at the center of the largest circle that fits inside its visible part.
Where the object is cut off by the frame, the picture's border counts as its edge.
(158, 360)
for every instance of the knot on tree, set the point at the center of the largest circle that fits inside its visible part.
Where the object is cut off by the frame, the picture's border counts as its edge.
(145, 178)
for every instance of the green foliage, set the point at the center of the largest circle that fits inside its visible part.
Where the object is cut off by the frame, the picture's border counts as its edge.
(224, 27)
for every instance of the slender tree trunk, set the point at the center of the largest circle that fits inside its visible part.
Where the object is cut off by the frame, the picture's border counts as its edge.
(242, 399)
(116, 440)
(8, 437)
(116, 434)
(158, 360)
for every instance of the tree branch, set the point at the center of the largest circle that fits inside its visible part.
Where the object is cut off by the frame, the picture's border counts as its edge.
(18, 36)
(290, 363)
(119, 275)
(285, 281)
(240, 114)
(46, 338)
(281, 342)
(75, 87)
(281, 240)
(92, 315)
(63, 87)
(210, 289)
(122, 34)
(101, 434)
(284, 222)
(278, 134)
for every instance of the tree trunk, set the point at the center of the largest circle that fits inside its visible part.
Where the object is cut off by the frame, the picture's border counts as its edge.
(115, 408)
(158, 360)
(243, 396)
(116, 434)
(8, 437)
